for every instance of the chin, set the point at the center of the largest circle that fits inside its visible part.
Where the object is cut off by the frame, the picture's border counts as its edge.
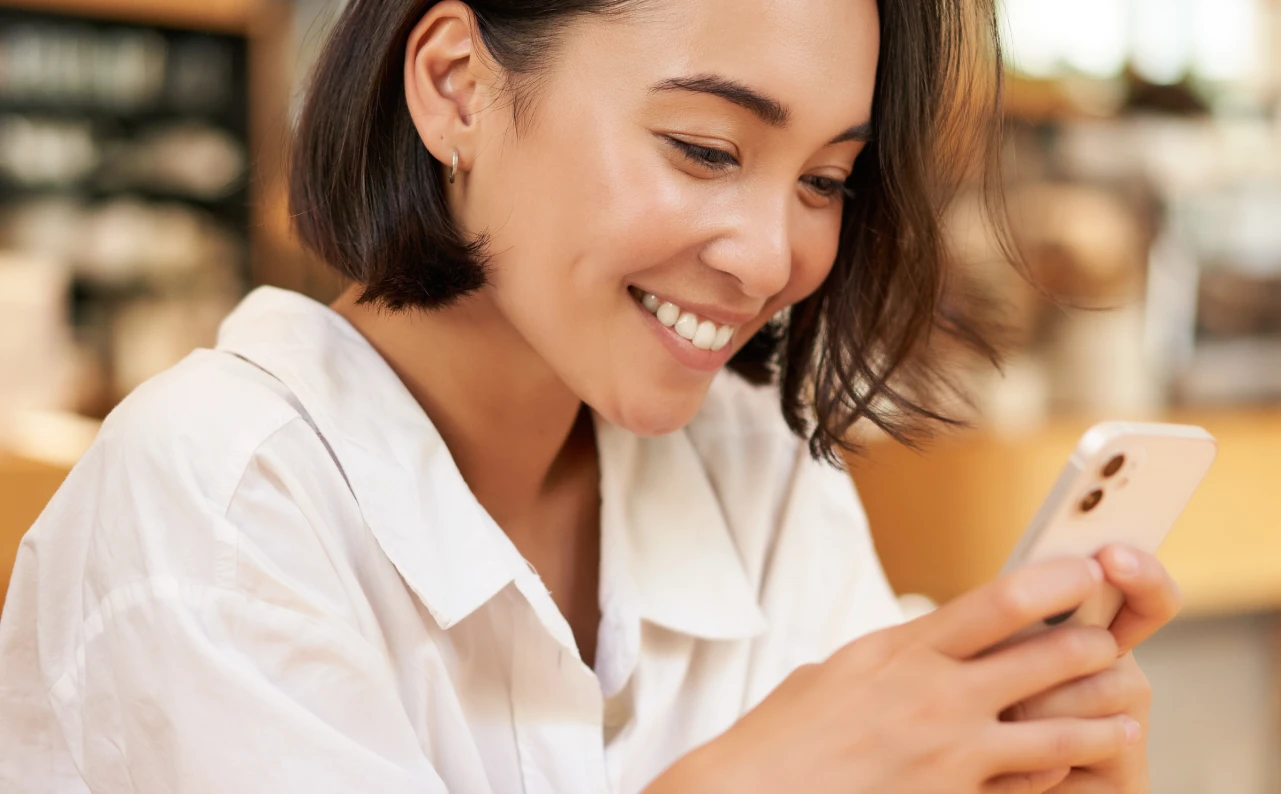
(653, 414)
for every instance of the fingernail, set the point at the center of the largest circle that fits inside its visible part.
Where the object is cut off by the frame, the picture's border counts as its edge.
(1133, 731)
(1096, 570)
(1124, 561)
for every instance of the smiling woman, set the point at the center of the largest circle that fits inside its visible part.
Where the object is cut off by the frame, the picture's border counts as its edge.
(539, 503)
(766, 145)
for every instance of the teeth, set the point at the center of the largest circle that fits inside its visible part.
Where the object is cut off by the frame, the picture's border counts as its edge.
(687, 326)
(723, 335)
(703, 334)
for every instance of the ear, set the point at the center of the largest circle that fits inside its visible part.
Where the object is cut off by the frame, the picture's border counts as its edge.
(446, 82)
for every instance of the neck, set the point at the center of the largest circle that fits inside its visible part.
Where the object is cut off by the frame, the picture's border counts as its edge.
(509, 422)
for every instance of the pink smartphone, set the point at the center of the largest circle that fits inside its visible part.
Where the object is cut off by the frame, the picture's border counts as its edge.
(1126, 482)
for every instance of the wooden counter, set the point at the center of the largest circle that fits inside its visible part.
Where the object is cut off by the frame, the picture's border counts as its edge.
(946, 520)
(25, 488)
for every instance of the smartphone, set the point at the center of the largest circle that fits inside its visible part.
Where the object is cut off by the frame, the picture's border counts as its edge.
(1126, 482)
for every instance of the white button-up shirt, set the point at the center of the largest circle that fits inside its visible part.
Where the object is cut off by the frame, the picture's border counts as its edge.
(267, 575)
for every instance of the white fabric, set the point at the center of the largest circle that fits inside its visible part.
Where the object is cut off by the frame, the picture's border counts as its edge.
(267, 575)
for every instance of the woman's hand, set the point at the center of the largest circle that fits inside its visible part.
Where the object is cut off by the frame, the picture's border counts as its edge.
(1152, 599)
(1121, 689)
(915, 709)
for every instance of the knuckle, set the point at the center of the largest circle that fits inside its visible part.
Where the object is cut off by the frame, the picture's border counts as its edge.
(801, 678)
(1013, 602)
(867, 652)
(1140, 690)
(1112, 692)
(1066, 744)
(1142, 702)
(806, 670)
(879, 644)
(1123, 688)
(882, 643)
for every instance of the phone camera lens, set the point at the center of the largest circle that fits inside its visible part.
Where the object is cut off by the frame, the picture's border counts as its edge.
(1091, 500)
(1114, 465)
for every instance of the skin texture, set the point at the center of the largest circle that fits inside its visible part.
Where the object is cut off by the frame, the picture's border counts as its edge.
(588, 197)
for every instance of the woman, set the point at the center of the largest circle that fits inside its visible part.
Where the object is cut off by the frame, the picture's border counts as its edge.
(495, 521)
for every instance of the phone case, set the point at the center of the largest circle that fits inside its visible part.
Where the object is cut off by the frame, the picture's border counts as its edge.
(1096, 502)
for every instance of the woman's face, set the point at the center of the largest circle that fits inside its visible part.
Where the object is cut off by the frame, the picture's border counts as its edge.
(681, 165)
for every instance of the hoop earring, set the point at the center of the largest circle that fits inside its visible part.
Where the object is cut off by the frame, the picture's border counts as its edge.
(453, 168)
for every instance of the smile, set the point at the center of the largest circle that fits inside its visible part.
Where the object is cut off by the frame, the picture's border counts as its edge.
(702, 334)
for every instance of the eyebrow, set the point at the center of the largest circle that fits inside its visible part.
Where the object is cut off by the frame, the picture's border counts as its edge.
(859, 132)
(767, 109)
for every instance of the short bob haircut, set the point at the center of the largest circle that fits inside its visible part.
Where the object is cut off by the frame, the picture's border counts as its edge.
(368, 198)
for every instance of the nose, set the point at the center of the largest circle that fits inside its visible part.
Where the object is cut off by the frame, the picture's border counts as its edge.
(754, 246)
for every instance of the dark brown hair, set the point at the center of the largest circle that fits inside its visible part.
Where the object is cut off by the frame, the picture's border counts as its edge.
(368, 198)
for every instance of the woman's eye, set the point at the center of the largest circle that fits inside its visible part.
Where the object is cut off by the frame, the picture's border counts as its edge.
(705, 156)
(827, 187)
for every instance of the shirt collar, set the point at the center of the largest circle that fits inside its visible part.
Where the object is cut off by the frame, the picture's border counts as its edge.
(410, 492)
(659, 509)
(681, 556)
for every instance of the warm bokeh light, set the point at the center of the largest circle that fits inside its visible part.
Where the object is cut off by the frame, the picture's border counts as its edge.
(1163, 40)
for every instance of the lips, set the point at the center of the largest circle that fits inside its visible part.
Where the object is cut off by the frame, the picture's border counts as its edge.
(698, 331)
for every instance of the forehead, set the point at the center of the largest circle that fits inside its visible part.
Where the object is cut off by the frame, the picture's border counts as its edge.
(816, 56)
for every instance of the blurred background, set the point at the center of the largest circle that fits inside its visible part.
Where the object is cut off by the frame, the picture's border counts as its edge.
(142, 194)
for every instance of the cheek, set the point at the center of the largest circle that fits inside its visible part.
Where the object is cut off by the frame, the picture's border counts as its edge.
(813, 257)
(570, 241)
(634, 212)
(586, 206)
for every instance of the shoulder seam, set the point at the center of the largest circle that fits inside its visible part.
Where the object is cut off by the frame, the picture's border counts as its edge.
(298, 407)
(244, 470)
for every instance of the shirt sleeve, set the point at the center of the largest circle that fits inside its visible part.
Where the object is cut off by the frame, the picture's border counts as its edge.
(225, 662)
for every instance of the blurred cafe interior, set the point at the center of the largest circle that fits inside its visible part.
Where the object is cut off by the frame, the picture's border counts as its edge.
(142, 194)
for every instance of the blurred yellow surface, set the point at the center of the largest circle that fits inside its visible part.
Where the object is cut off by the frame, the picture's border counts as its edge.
(945, 521)
(25, 487)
